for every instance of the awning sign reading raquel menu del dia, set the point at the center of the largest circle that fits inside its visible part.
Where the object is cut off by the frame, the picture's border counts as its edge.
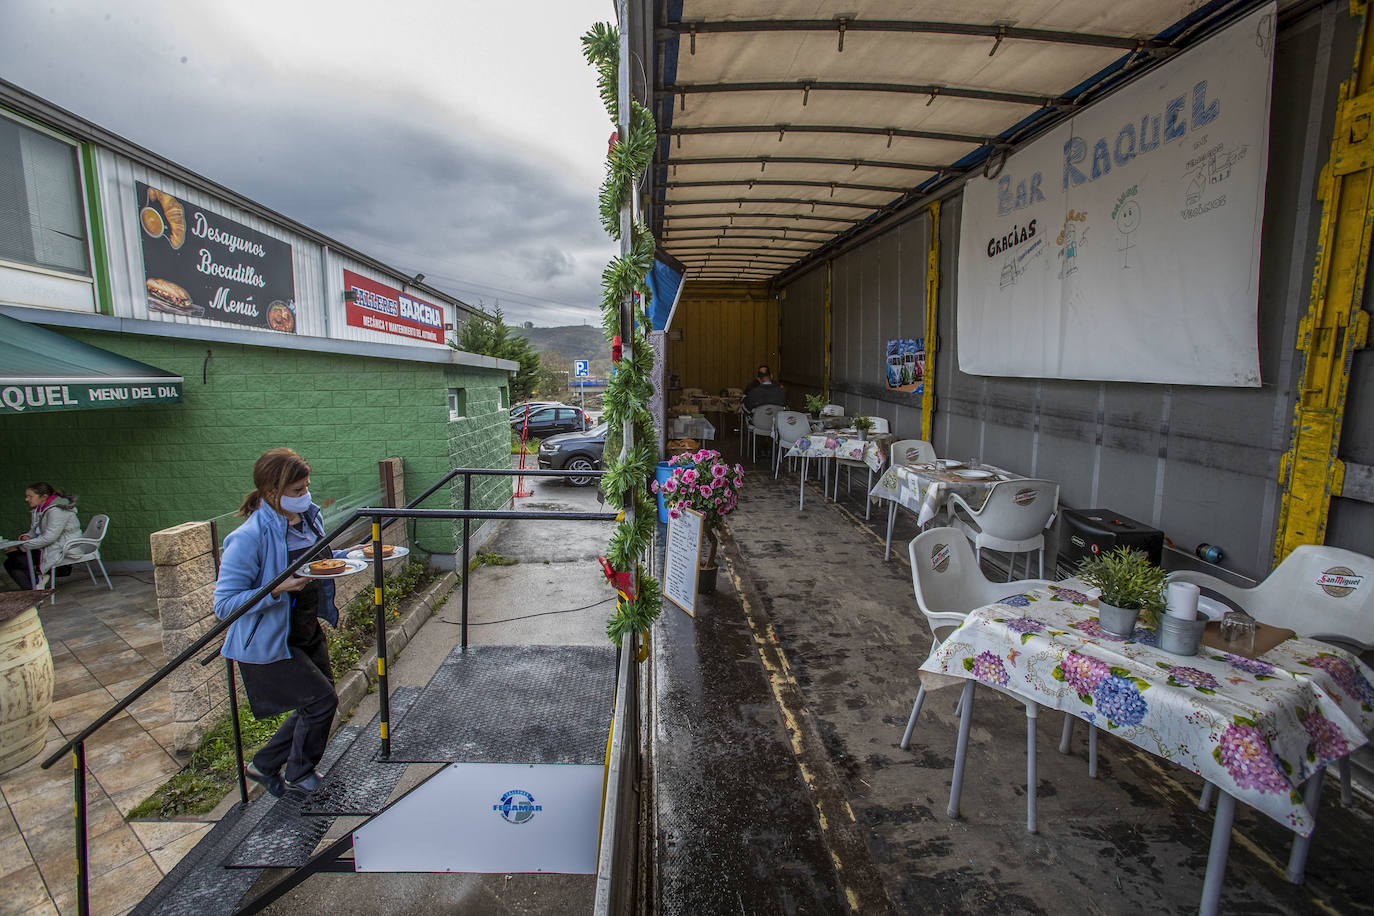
(41, 370)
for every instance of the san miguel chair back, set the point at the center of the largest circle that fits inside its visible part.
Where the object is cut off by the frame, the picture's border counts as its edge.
(791, 425)
(1318, 591)
(832, 410)
(1013, 519)
(948, 583)
(85, 549)
(761, 423)
(912, 451)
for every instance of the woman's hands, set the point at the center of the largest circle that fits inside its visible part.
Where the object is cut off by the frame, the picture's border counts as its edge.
(292, 584)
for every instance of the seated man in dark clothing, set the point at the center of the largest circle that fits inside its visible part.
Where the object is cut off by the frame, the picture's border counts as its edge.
(759, 376)
(765, 392)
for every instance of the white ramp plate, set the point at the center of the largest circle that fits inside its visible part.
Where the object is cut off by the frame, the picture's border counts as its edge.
(489, 817)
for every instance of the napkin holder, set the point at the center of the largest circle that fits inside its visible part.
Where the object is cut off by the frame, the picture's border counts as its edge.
(1178, 635)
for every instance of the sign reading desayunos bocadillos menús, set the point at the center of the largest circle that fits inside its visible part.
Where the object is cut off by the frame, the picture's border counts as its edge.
(199, 264)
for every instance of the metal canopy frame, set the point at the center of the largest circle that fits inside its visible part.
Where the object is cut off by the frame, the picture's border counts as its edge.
(786, 123)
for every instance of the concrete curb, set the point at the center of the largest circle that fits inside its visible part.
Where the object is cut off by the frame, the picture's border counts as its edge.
(414, 612)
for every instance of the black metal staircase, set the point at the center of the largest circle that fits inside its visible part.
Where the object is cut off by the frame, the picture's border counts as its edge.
(485, 704)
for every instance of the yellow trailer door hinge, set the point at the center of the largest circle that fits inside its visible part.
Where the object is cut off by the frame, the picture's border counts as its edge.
(1352, 148)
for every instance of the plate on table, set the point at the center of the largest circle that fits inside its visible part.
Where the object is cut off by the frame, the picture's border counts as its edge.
(948, 464)
(349, 568)
(357, 554)
(975, 474)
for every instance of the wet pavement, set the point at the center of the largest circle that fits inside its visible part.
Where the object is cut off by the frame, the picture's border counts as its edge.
(849, 639)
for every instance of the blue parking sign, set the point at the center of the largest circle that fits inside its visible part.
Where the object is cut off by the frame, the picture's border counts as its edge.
(580, 368)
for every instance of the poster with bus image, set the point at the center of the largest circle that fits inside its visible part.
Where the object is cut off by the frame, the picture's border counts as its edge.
(199, 264)
(906, 364)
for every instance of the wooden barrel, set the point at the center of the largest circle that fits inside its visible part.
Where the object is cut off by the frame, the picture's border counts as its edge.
(26, 681)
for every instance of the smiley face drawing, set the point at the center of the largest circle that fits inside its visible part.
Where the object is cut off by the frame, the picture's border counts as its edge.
(1127, 222)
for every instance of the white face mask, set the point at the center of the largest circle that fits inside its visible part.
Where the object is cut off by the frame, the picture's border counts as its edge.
(296, 503)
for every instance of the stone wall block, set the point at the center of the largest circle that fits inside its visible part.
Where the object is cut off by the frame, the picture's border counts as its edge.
(184, 578)
(180, 613)
(173, 546)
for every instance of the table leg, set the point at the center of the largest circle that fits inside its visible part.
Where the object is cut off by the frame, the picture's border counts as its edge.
(1092, 751)
(801, 498)
(1311, 798)
(1032, 713)
(956, 786)
(1343, 768)
(891, 517)
(1217, 855)
(1204, 801)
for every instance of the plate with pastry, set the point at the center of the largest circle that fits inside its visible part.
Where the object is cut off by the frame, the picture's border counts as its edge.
(389, 552)
(331, 569)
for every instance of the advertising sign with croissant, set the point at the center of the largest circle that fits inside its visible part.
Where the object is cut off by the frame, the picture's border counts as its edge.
(199, 264)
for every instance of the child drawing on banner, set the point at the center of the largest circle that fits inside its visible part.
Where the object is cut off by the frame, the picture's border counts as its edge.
(1127, 217)
(1069, 241)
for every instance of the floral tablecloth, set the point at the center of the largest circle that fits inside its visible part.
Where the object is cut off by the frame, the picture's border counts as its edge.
(1257, 728)
(851, 448)
(923, 488)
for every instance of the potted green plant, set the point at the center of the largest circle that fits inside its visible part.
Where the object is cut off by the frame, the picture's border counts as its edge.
(864, 425)
(1131, 587)
(814, 403)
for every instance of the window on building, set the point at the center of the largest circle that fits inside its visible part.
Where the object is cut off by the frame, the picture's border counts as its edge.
(457, 403)
(505, 397)
(42, 215)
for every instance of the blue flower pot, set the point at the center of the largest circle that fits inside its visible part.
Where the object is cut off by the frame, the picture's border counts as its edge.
(661, 474)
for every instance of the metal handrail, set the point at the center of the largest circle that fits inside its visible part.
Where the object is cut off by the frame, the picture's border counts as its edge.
(407, 512)
(381, 517)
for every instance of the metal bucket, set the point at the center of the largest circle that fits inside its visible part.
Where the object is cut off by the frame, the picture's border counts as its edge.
(1178, 636)
(1118, 621)
(26, 681)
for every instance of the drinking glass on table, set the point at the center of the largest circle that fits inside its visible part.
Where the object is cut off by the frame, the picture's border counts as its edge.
(1237, 633)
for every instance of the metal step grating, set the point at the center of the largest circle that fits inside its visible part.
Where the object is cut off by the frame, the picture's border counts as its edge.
(199, 885)
(284, 838)
(360, 783)
(513, 704)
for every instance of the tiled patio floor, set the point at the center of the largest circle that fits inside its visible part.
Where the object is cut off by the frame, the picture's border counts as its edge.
(104, 643)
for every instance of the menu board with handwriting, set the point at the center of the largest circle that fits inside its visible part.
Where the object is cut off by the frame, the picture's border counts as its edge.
(680, 559)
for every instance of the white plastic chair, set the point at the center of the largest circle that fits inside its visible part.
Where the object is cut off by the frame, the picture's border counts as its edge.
(880, 427)
(761, 423)
(948, 582)
(85, 549)
(1013, 519)
(832, 410)
(1304, 594)
(911, 451)
(790, 426)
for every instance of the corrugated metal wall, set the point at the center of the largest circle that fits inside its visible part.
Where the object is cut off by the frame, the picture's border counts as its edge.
(727, 332)
(1200, 463)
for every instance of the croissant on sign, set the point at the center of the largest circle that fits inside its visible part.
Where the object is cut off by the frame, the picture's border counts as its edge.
(175, 216)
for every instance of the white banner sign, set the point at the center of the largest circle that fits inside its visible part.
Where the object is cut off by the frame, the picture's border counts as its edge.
(1124, 244)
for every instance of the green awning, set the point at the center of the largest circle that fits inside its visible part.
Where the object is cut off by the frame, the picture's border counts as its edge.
(41, 370)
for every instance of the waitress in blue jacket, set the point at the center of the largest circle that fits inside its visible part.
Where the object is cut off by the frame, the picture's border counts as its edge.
(279, 645)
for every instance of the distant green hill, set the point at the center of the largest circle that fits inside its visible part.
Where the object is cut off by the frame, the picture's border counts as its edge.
(571, 343)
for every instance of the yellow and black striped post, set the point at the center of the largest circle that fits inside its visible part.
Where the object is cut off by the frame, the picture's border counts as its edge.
(83, 887)
(379, 612)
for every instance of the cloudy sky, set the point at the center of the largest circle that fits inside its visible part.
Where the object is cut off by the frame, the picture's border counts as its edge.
(458, 139)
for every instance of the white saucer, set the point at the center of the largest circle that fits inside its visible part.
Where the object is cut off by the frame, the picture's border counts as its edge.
(350, 567)
(357, 554)
(975, 474)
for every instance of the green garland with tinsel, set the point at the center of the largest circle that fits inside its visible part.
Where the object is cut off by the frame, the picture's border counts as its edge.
(627, 397)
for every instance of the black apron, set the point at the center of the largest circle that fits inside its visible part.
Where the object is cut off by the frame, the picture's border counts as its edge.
(284, 685)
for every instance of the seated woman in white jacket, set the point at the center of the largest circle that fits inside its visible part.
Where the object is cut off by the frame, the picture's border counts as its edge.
(52, 526)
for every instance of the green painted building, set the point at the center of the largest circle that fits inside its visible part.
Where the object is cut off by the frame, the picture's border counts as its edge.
(270, 333)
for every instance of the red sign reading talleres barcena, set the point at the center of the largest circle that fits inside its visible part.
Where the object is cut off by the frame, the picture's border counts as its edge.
(378, 307)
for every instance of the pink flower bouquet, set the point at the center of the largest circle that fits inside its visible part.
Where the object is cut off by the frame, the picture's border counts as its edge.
(704, 482)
